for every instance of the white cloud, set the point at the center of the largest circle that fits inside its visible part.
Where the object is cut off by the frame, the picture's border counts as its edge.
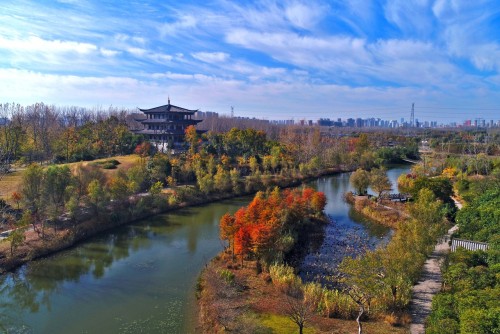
(410, 16)
(304, 15)
(36, 44)
(109, 53)
(211, 57)
(121, 37)
(302, 50)
(185, 22)
(217, 94)
(138, 52)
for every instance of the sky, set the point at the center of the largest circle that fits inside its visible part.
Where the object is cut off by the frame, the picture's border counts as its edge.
(267, 59)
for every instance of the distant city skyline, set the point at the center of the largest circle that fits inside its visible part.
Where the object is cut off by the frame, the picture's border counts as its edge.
(269, 59)
(370, 122)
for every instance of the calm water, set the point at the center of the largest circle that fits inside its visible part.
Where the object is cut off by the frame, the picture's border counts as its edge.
(140, 278)
(347, 234)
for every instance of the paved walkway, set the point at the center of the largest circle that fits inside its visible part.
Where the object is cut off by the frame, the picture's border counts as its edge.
(429, 283)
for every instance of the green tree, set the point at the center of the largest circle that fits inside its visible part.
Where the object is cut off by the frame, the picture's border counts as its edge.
(155, 192)
(120, 188)
(222, 179)
(379, 182)
(16, 239)
(56, 181)
(362, 279)
(234, 175)
(97, 197)
(360, 180)
(31, 187)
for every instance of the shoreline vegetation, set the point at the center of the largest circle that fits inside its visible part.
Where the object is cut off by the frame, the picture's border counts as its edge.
(74, 231)
(57, 206)
(386, 213)
(47, 209)
(373, 289)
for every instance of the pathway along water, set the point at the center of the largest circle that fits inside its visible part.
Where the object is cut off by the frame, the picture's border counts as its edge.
(139, 278)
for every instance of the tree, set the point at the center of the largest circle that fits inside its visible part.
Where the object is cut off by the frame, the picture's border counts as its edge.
(192, 138)
(234, 175)
(16, 239)
(16, 197)
(222, 179)
(12, 134)
(299, 308)
(72, 207)
(228, 229)
(379, 182)
(242, 243)
(17, 236)
(155, 192)
(120, 188)
(96, 196)
(318, 202)
(31, 187)
(362, 280)
(360, 180)
(56, 180)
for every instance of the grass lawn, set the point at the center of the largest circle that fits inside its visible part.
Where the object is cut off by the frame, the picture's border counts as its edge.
(10, 183)
(126, 161)
(283, 324)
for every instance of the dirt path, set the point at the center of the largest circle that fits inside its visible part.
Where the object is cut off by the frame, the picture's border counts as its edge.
(429, 283)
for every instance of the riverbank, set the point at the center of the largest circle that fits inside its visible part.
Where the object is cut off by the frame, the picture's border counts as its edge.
(386, 212)
(73, 232)
(232, 297)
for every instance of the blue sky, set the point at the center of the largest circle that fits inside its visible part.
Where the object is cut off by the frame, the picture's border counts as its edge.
(268, 59)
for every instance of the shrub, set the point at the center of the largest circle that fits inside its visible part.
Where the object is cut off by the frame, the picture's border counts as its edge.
(227, 276)
(107, 164)
(443, 326)
(283, 276)
(338, 304)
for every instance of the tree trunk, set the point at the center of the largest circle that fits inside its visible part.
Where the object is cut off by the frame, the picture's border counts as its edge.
(394, 290)
(301, 328)
(361, 311)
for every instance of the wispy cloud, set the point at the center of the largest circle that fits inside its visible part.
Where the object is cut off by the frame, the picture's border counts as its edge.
(34, 44)
(211, 57)
(331, 55)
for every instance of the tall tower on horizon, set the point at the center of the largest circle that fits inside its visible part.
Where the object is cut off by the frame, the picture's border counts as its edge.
(412, 116)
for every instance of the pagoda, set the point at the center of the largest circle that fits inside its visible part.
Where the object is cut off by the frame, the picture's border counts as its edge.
(165, 126)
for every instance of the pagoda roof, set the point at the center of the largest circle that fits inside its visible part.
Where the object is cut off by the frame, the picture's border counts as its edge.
(165, 132)
(168, 121)
(168, 108)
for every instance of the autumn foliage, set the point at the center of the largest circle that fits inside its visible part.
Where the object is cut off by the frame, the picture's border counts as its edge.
(267, 228)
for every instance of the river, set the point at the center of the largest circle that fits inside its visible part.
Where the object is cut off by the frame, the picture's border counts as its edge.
(141, 278)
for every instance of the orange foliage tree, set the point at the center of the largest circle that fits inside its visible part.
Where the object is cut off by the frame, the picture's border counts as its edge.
(258, 230)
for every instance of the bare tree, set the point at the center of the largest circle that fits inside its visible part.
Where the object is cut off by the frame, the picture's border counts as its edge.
(11, 135)
(299, 306)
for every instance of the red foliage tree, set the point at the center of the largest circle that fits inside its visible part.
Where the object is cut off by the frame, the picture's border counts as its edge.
(318, 202)
(227, 230)
(256, 229)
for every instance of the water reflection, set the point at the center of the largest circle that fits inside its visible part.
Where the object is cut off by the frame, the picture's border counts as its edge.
(347, 234)
(141, 277)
